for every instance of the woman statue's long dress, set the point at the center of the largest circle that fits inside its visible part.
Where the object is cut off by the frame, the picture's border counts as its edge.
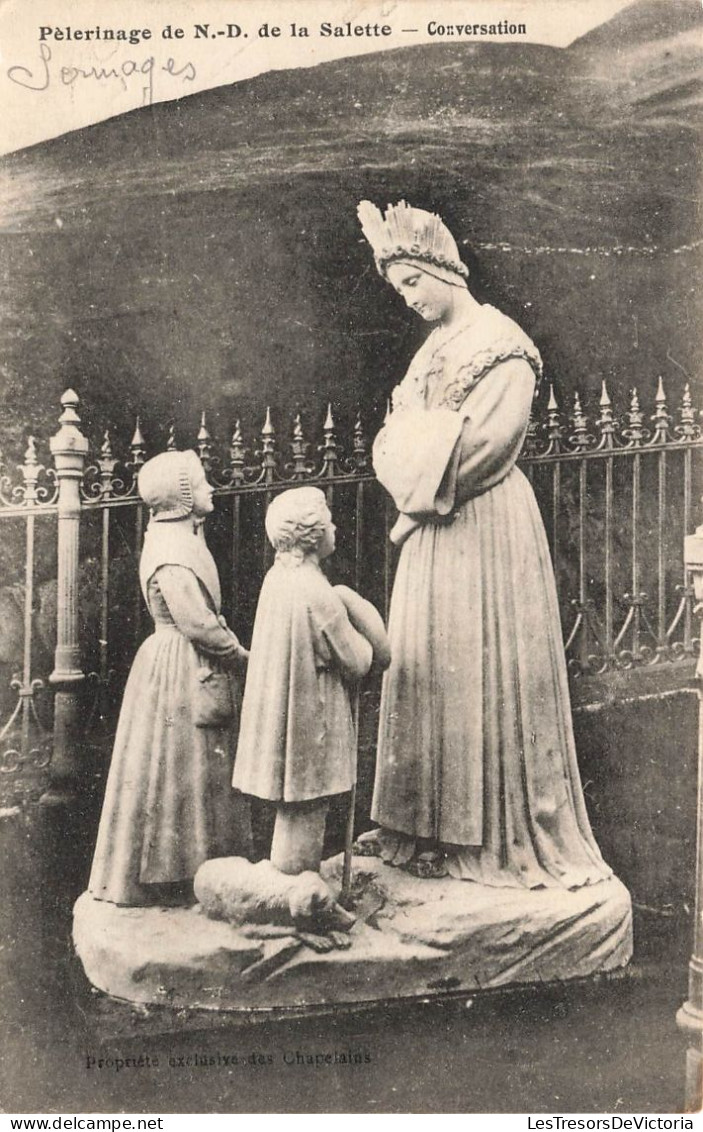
(476, 752)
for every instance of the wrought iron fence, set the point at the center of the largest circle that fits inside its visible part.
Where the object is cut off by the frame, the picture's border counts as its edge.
(25, 737)
(636, 604)
(616, 493)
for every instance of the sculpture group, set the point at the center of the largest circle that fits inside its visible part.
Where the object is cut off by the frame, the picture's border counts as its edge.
(476, 776)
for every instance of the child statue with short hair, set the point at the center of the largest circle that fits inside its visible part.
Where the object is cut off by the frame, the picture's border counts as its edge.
(311, 642)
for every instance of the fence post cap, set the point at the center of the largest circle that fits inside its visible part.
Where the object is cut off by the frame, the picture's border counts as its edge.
(69, 439)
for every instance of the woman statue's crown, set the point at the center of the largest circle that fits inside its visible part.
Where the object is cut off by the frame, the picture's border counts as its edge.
(409, 233)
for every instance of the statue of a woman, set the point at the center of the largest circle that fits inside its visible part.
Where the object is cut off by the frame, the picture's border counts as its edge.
(169, 804)
(476, 771)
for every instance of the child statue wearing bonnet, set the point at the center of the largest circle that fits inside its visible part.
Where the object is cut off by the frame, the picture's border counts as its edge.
(168, 802)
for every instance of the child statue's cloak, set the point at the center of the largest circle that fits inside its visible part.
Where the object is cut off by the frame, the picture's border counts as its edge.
(296, 739)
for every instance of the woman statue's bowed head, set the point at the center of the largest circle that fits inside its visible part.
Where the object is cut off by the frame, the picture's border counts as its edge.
(311, 642)
(476, 770)
(168, 803)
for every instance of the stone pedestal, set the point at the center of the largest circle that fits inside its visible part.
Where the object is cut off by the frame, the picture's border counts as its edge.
(412, 938)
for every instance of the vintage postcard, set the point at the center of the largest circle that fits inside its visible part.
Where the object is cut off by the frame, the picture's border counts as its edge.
(351, 463)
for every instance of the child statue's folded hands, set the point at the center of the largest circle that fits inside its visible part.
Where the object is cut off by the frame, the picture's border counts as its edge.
(367, 620)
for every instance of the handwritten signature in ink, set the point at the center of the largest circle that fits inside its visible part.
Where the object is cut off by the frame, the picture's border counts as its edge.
(130, 70)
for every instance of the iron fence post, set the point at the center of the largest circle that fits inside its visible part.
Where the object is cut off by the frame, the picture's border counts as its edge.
(69, 449)
(690, 1016)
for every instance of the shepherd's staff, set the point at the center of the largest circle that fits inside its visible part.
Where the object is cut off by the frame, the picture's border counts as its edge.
(345, 896)
(367, 621)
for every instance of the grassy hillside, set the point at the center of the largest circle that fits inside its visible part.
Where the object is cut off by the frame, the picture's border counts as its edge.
(206, 252)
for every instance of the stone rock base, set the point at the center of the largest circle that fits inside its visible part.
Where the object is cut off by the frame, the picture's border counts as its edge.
(412, 938)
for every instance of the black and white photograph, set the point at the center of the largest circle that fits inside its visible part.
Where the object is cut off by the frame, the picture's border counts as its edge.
(351, 545)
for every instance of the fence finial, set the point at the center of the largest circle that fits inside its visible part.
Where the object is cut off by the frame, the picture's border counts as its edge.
(70, 402)
(204, 443)
(554, 427)
(107, 464)
(236, 453)
(662, 418)
(137, 447)
(30, 456)
(299, 447)
(268, 448)
(580, 438)
(359, 442)
(688, 429)
(30, 473)
(635, 433)
(606, 420)
(329, 447)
